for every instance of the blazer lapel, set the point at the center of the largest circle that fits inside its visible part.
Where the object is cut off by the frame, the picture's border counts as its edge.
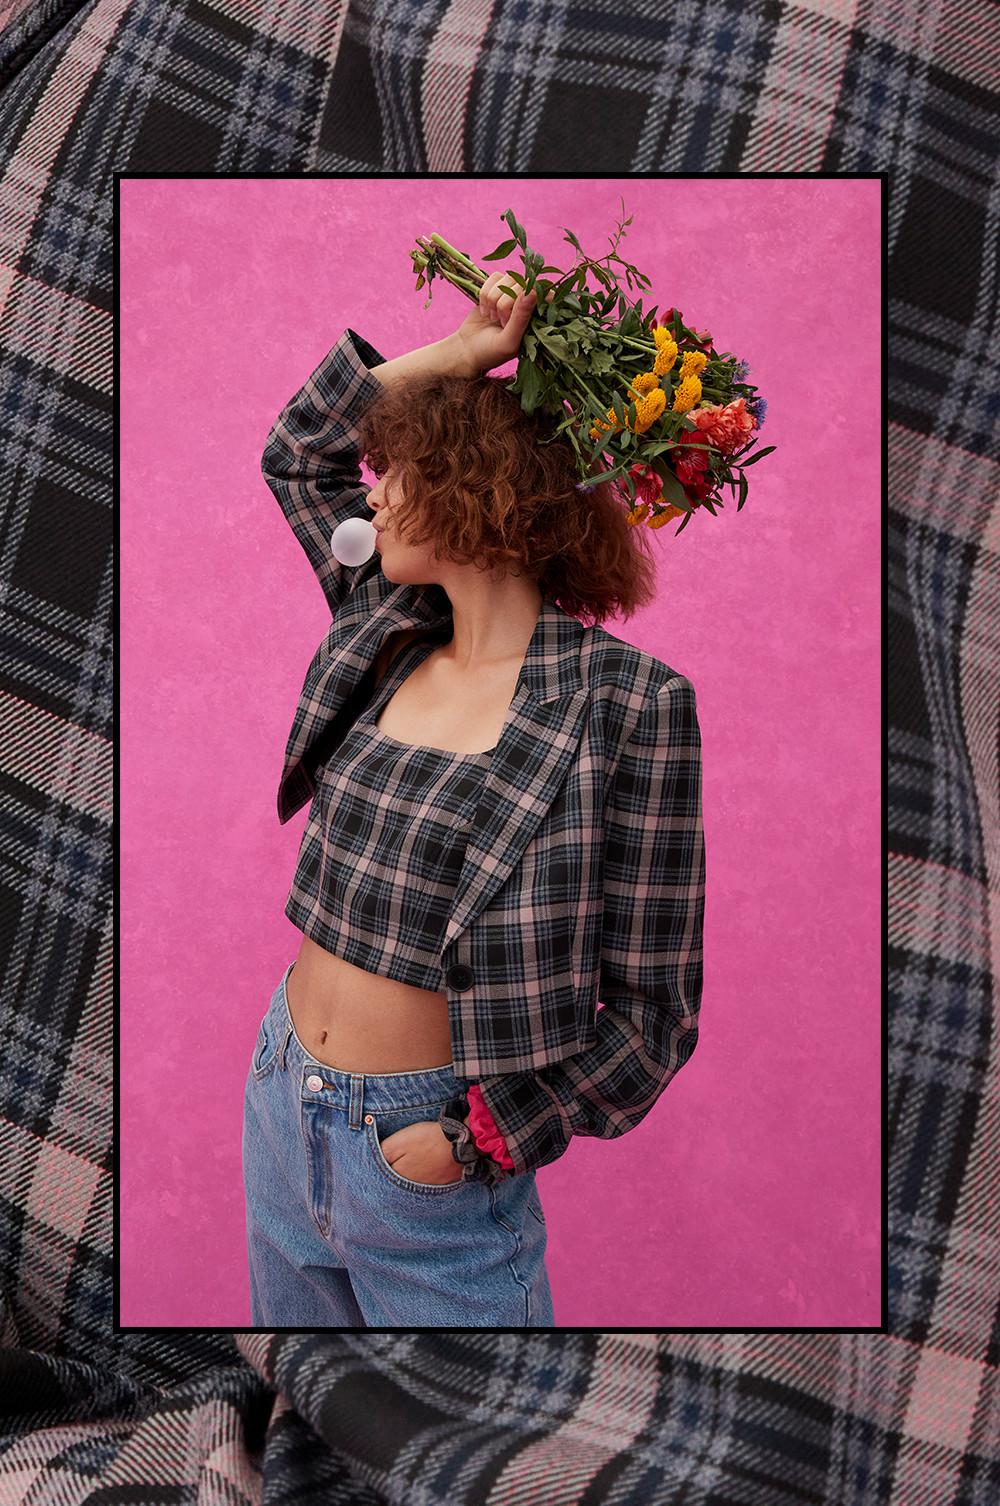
(361, 626)
(539, 739)
(358, 632)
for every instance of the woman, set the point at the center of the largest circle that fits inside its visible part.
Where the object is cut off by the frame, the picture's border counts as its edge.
(505, 821)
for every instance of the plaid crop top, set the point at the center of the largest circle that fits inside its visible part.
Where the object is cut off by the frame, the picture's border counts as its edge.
(384, 843)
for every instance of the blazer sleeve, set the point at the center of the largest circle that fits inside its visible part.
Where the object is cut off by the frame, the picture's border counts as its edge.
(651, 954)
(311, 461)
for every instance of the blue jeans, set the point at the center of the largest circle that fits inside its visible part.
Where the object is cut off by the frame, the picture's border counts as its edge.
(337, 1239)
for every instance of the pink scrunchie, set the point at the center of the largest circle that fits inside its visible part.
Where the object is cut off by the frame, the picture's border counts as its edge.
(484, 1129)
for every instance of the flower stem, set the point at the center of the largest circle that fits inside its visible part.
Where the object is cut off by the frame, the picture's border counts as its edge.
(461, 282)
(578, 379)
(459, 256)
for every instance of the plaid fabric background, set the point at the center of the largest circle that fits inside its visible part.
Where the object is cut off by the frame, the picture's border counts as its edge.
(909, 1417)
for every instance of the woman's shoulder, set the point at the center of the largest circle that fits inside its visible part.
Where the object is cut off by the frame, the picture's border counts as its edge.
(616, 669)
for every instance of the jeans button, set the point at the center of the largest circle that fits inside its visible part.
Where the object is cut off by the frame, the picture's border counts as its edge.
(314, 1083)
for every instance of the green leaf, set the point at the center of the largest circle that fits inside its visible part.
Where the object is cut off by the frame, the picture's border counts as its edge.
(504, 249)
(619, 408)
(517, 229)
(569, 236)
(554, 341)
(530, 385)
(619, 470)
(564, 284)
(744, 487)
(673, 492)
(759, 455)
(601, 361)
(533, 264)
(565, 356)
(551, 312)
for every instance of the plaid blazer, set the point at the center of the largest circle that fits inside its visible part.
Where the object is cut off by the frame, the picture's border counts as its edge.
(584, 871)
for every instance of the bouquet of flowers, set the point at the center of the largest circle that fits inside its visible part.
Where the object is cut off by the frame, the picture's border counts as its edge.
(645, 400)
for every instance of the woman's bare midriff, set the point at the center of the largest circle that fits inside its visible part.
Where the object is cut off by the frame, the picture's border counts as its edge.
(362, 1022)
(359, 1021)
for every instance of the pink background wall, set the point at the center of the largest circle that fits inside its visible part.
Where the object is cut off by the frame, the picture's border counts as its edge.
(750, 1196)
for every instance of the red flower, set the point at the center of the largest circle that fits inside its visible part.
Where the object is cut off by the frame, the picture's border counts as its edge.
(648, 486)
(690, 458)
(703, 339)
(690, 465)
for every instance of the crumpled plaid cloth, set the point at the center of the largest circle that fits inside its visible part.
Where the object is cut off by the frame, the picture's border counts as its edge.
(910, 1417)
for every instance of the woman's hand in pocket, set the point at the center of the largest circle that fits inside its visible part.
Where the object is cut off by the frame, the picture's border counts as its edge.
(422, 1153)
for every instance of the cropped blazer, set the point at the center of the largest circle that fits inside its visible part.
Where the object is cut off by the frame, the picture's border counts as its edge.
(572, 960)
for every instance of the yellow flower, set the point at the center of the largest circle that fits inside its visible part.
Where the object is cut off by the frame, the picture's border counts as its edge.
(599, 424)
(665, 358)
(693, 363)
(637, 513)
(649, 408)
(687, 395)
(662, 335)
(670, 511)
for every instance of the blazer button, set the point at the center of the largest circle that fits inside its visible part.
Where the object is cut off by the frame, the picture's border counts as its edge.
(460, 976)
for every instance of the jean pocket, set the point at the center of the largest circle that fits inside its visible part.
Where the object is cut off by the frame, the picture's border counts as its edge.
(265, 1051)
(387, 1123)
(535, 1205)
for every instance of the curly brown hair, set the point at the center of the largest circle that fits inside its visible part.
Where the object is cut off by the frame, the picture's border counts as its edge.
(486, 483)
